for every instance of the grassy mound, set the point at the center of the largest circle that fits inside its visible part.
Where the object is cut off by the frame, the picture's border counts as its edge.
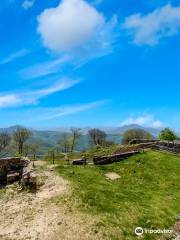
(147, 194)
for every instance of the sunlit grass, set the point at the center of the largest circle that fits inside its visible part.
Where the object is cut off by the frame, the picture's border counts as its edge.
(146, 195)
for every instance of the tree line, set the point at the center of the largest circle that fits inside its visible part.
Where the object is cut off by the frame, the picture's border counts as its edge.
(96, 137)
(68, 142)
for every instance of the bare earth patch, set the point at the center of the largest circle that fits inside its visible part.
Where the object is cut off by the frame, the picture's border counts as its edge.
(54, 185)
(112, 176)
(28, 216)
(177, 228)
(175, 235)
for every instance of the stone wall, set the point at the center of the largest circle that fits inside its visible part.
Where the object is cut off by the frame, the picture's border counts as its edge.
(168, 146)
(145, 141)
(113, 158)
(81, 161)
(158, 145)
(11, 168)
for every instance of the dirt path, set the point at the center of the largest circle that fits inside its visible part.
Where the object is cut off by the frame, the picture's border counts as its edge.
(27, 216)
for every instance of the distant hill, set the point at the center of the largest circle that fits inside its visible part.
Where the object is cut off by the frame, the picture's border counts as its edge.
(10, 129)
(50, 138)
(122, 129)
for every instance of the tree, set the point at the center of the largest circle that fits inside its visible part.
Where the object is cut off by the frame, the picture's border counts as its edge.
(4, 142)
(26, 149)
(20, 137)
(52, 154)
(167, 134)
(97, 136)
(34, 147)
(75, 135)
(135, 134)
(66, 143)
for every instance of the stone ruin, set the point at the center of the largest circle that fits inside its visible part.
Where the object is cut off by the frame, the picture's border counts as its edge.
(168, 146)
(158, 145)
(136, 146)
(14, 169)
(101, 160)
(141, 141)
(81, 161)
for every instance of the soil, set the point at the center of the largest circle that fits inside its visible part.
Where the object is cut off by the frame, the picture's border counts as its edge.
(35, 216)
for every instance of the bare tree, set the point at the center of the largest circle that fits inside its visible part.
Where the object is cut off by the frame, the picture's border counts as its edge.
(34, 147)
(52, 155)
(75, 135)
(65, 143)
(20, 137)
(26, 149)
(68, 141)
(4, 142)
(97, 136)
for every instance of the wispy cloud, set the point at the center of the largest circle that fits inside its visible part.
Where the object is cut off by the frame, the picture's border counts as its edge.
(45, 68)
(47, 117)
(8, 100)
(68, 110)
(97, 2)
(32, 97)
(150, 28)
(14, 56)
(28, 4)
(144, 120)
(62, 111)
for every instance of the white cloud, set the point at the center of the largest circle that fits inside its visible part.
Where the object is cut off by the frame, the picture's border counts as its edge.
(40, 115)
(69, 25)
(54, 113)
(43, 69)
(76, 27)
(150, 28)
(14, 56)
(157, 124)
(28, 4)
(58, 86)
(144, 120)
(8, 100)
(32, 97)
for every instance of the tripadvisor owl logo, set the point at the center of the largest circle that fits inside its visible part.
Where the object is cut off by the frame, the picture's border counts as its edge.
(139, 231)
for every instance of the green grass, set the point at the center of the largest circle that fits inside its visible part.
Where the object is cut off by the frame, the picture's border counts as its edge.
(146, 195)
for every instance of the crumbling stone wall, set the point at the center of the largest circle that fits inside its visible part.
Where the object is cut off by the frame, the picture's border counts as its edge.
(168, 146)
(81, 161)
(113, 158)
(158, 145)
(141, 141)
(11, 169)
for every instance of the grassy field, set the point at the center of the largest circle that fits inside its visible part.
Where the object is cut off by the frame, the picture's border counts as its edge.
(146, 195)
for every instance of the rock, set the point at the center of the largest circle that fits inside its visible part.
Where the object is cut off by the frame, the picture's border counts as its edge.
(12, 177)
(81, 161)
(11, 169)
(112, 176)
(177, 238)
(29, 180)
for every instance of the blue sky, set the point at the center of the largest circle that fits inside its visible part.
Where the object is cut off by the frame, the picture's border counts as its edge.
(90, 63)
